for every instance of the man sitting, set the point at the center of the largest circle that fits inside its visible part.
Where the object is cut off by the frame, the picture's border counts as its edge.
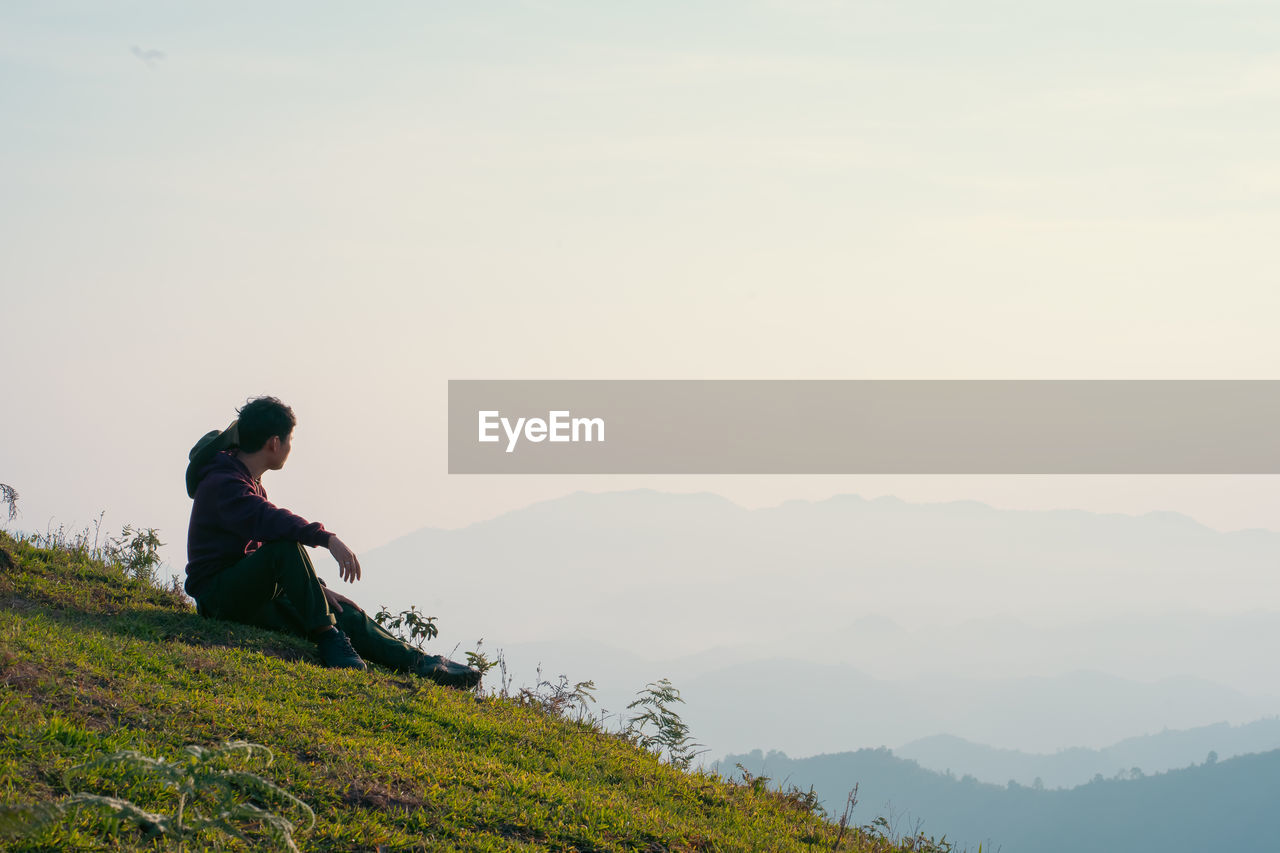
(246, 560)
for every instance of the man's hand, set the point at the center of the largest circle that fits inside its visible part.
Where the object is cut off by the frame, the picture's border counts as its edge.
(339, 602)
(348, 564)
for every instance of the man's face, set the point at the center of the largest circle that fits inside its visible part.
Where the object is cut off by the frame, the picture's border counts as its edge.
(280, 452)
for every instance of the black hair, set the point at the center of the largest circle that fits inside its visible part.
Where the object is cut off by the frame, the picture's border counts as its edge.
(261, 418)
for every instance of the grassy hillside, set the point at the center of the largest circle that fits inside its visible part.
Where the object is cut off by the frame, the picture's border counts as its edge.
(94, 663)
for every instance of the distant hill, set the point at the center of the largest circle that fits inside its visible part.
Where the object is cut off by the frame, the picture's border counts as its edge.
(1070, 767)
(1227, 805)
(736, 700)
(800, 707)
(981, 622)
(722, 575)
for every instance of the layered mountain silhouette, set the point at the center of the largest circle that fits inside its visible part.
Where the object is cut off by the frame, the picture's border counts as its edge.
(1220, 805)
(1067, 768)
(845, 623)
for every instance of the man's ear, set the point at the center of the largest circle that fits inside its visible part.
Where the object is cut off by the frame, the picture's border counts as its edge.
(273, 444)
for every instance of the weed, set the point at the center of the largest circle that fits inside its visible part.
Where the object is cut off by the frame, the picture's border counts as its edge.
(484, 663)
(559, 699)
(409, 625)
(210, 797)
(480, 660)
(9, 497)
(802, 800)
(755, 783)
(136, 553)
(655, 726)
(666, 730)
(915, 841)
(794, 796)
(849, 804)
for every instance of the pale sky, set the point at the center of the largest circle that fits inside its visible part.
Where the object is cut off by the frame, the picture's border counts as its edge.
(348, 206)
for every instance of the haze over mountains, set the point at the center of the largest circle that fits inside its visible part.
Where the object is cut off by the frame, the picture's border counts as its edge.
(839, 624)
(817, 706)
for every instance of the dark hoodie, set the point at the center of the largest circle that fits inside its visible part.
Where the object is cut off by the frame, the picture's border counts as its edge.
(231, 517)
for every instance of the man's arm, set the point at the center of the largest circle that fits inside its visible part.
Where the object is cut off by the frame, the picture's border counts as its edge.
(240, 509)
(248, 514)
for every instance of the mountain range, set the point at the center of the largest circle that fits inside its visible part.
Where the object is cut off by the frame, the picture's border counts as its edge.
(1067, 768)
(1215, 805)
(1031, 630)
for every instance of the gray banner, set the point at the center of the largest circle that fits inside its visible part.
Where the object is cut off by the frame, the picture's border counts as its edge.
(864, 427)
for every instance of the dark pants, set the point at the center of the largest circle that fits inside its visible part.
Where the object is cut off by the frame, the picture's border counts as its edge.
(276, 587)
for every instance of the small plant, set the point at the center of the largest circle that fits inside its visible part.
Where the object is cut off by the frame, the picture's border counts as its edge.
(850, 803)
(484, 663)
(136, 552)
(480, 660)
(9, 497)
(210, 797)
(657, 727)
(559, 699)
(755, 783)
(411, 626)
(916, 841)
(802, 800)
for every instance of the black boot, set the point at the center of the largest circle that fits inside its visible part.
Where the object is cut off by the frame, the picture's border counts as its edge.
(336, 651)
(447, 672)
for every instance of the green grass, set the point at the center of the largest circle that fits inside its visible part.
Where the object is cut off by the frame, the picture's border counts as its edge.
(93, 662)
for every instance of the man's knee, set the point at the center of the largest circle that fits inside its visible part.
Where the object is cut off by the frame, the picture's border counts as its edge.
(286, 558)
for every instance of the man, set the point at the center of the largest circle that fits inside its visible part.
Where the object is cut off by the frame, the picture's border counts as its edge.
(247, 561)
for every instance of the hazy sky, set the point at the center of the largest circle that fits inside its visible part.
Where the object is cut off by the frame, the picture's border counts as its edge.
(348, 206)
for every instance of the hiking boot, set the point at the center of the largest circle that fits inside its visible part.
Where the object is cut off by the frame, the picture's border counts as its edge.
(336, 652)
(446, 672)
